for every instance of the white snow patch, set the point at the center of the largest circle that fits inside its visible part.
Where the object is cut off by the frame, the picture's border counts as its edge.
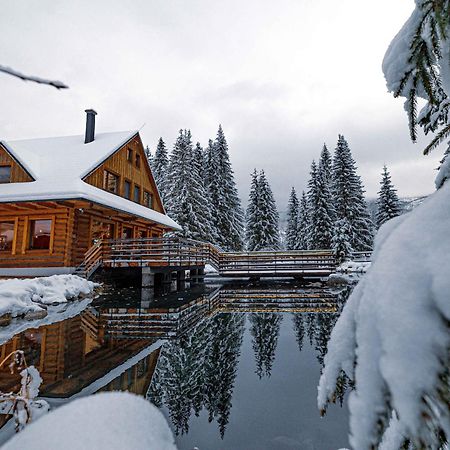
(394, 326)
(103, 421)
(19, 297)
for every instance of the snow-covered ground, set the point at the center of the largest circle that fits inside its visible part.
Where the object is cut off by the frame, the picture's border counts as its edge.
(102, 421)
(30, 298)
(349, 272)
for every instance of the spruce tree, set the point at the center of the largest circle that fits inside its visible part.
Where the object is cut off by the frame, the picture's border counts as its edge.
(252, 228)
(326, 166)
(160, 166)
(320, 209)
(268, 217)
(149, 155)
(228, 217)
(187, 199)
(301, 240)
(292, 221)
(349, 202)
(388, 205)
(341, 243)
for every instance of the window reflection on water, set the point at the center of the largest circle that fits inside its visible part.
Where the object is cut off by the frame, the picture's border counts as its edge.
(204, 356)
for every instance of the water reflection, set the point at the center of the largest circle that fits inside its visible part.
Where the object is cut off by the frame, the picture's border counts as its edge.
(184, 350)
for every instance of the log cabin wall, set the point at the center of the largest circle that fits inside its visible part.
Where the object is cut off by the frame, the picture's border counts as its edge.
(18, 174)
(130, 164)
(19, 253)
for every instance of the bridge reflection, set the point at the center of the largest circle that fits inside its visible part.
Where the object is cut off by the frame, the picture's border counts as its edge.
(188, 339)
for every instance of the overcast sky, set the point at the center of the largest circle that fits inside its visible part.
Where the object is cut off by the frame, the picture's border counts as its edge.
(282, 77)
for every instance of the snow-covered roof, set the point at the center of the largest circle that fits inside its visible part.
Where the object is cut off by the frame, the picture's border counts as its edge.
(58, 165)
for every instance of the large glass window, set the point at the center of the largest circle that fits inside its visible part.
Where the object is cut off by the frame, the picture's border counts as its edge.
(137, 194)
(127, 189)
(6, 235)
(5, 174)
(129, 155)
(148, 199)
(40, 231)
(127, 233)
(111, 182)
(138, 160)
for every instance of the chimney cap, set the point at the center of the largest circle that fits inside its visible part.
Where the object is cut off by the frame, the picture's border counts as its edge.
(90, 111)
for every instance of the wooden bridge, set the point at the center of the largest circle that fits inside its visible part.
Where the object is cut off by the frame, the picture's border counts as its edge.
(178, 254)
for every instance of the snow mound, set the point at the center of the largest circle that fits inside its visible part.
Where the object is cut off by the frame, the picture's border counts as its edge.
(19, 297)
(395, 328)
(113, 421)
(354, 267)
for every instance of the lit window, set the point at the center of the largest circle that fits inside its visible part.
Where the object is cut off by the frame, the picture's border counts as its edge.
(137, 194)
(40, 231)
(138, 160)
(148, 199)
(6, 235)
(5, 174)
(127, 189)
(110, 182)
(129, 154)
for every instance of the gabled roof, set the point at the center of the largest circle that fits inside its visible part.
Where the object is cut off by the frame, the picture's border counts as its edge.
(58, 165)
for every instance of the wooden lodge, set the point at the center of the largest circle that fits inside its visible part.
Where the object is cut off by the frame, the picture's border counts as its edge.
(60, 195)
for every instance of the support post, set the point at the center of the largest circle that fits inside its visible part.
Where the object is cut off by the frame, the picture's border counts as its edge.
(181, 279)
(148, 278)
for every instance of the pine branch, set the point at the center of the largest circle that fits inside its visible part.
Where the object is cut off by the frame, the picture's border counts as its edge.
(57, 84)
(441, 136)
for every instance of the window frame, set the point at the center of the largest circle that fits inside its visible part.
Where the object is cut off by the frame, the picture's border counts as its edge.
(15, 221)
(26, 244)
(137, 160)
(130, 155)
(125, 182)
(151, 197)
(137, 188)
(115, 174)
(10, 173)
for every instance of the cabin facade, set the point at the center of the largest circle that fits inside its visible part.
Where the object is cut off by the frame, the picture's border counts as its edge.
(58, 196)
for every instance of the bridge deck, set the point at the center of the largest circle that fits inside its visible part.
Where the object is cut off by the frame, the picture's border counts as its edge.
(166, 253)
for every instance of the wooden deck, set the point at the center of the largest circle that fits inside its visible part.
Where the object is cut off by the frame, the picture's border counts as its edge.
(177, 254)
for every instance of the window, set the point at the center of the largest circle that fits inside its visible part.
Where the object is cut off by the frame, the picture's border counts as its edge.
(6, 235)
(5, 174)
(127, 233)
(111, 182)
(129, 154)
(40, 231)
(138, 160)
(137, 194)
(148, 199)
(127, 189)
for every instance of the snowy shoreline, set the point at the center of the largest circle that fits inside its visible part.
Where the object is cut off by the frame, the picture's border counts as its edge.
(30, 298)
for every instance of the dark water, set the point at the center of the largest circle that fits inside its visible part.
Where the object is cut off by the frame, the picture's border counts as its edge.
(231, 368)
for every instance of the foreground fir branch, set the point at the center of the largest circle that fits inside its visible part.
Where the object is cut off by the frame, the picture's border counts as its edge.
(57, 84)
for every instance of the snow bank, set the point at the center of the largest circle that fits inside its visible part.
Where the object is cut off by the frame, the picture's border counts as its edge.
(395, 327)
(354, 267)
(20, 297)
(103, 421)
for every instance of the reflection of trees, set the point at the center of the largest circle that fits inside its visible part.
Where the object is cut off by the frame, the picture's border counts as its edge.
(299, 329)
(198, 371)
(324, 324)
(265, 328)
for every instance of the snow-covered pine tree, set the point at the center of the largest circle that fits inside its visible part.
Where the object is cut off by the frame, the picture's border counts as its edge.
(388, 205)
(292, 221)
(228, 217)
(348, 194)
(160, 166)
(148, 154)
(341, 242)
(301, 239)
(187, 199)
(253, 222)
(269, 238)
(320, 209)
(326, 166)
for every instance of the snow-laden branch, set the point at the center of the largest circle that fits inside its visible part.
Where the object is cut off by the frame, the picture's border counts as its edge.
(15, 73)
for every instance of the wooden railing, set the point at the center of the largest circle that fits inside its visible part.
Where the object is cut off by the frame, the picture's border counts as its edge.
(180, 252)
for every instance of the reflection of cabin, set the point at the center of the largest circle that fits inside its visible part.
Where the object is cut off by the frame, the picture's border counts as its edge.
(59, 195)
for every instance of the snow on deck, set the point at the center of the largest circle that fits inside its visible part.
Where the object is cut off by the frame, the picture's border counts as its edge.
(58, 165)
